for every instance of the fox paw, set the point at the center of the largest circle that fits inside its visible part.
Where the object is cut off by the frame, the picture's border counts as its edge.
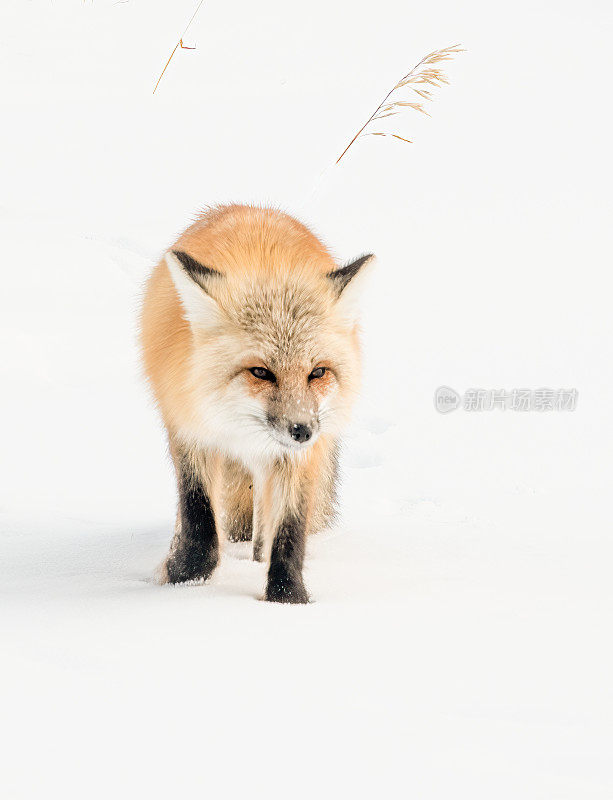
(286, 592)
(188, 563)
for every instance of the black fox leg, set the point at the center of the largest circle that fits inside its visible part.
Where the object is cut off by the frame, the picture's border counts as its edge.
(285, 583)
(195, 549)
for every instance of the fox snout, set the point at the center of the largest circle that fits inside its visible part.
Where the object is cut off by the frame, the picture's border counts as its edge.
(300, 433)
(293, 433)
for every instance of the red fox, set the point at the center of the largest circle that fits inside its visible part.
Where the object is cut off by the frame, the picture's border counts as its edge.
(250, 344)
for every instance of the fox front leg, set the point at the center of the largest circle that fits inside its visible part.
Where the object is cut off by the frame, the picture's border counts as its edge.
(194, 552)
(285, 583)
(281, 510)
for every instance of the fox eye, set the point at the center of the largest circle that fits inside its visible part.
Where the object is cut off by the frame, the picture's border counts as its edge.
(317, 373)
(263, 374)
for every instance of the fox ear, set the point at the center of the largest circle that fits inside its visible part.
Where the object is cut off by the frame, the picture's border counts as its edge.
(192, 281)
(348, 283)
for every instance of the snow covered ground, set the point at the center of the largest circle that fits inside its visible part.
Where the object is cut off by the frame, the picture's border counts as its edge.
(458, 645)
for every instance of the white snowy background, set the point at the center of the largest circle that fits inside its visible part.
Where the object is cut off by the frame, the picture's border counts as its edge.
(459, 642)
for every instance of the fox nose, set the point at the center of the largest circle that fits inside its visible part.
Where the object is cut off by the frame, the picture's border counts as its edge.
(300, 433)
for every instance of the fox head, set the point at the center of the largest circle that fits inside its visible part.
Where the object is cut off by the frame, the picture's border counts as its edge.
(275, 359)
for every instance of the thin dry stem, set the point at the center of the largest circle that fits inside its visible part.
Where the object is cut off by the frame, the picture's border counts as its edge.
(178, 45)
(421, 74)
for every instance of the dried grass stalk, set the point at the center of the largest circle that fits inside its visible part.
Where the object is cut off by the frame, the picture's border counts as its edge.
(421, 76)
(178, 45)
